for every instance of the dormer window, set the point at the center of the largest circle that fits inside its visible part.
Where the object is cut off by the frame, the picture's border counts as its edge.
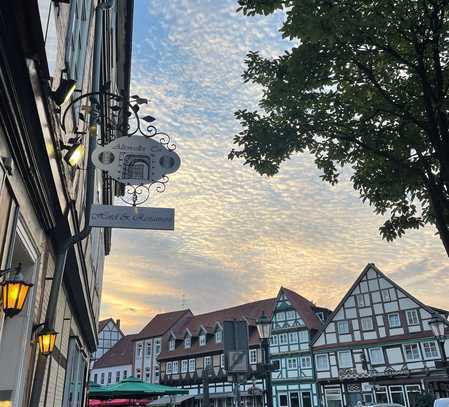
(202, 339)
(187, 342)
(218, 336)
(171, 344)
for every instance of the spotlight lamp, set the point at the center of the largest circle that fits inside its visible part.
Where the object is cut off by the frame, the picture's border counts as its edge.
(64, 91)
(74, 154)
(14, 291)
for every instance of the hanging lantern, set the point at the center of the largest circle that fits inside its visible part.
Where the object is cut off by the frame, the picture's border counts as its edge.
(47, 340)
(14, 294)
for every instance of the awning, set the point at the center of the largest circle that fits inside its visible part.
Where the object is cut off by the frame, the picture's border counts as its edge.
(167, 400)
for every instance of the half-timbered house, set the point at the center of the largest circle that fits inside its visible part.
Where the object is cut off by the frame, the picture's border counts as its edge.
(295, 321)
(377, 346)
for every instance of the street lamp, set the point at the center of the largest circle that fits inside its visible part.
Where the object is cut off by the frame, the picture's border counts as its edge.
(438, 326)
(46, 338)
(14, 292)
(264, 329)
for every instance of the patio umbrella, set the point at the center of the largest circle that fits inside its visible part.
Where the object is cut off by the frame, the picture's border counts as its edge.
(132, 388)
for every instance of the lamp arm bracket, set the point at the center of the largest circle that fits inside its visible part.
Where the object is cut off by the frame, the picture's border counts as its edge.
(37, 326)
(15, 270)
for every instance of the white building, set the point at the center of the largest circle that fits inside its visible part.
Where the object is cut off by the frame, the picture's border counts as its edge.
(377, 346)
(116, 364)
(109, 333)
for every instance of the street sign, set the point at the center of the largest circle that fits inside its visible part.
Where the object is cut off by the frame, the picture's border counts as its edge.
(135, 160)
(235, 341)
(128, 217)
(238, 361)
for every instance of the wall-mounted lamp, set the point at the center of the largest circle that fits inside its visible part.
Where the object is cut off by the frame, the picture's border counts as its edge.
(14, 291)
(74, 154)
(65, 90)
(46, 338)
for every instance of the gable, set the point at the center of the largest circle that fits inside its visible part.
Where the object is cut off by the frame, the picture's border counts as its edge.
(374, 308)
(284, 315)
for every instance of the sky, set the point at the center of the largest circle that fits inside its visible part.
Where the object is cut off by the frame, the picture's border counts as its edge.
(239, 236)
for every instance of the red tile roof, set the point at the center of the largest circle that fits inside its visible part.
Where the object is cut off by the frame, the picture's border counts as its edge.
(120, 354)
(161, 323)
(208, 322)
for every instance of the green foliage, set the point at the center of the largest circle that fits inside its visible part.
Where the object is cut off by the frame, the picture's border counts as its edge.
(365, 86)
(425, 399)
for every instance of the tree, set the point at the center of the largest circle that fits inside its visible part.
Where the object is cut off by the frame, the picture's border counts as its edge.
(365, 86)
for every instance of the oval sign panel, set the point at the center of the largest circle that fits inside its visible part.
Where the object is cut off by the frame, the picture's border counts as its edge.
(135, 160)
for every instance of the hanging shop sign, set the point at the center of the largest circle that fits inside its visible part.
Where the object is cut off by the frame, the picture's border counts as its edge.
(136, 160)
(129, 217)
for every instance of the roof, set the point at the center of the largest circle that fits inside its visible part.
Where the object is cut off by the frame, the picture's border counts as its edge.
(208, 322)
(369, 266)
(103, 323)
(120, 354)
(160, 324)
(304, 307)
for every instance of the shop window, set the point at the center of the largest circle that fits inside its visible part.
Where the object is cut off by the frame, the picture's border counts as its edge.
(333, 397)
(412, 391)
(283, 400)
(397, 395)
(381, 394)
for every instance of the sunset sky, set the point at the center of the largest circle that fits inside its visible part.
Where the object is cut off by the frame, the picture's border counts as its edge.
(238, 236)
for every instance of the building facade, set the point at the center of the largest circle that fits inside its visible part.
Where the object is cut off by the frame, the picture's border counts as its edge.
(109, 333)
(377, 347)
(116, 364)
(295, 321)
(43, 197)
(147, 344)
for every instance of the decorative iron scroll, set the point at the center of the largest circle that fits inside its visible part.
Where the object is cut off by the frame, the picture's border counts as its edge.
(118, 118)
(389, 371)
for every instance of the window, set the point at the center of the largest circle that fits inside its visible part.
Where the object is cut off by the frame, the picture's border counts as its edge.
(202, 339)
(102, 378)
(283, 400)
(222, 361)
(187, 342)
(386, 297)
(367, 324)
(171, 344)
(303, 336)
(343, 327)
(95, 377)
(125, 374)
(345, 359)
(397, 395)
(109, 377)
(430, 350)
(412, 317)
(138, 375)
(274, 340)
(184, 366)
(253, 356)
(169, 368)
(139, 350)
(207, 361)
(191, 365)
(393, 320)
(148, 350)
(360, 300)
(147, 374)
(117, 376)
(376, 356)
(283, 339)
(276, 363)
(412, 352)
(305, 362)
(292, 363)
(320, 316)
(322, 362)
(156, 371)
(218, 336)
(280, 316)
(175, 367)
(293, 337)
(291, 315)
(157, 346)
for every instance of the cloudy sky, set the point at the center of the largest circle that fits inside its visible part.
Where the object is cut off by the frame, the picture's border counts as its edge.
(239, 236)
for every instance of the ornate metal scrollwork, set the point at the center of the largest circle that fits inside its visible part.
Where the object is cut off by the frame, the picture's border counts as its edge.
(119, 117)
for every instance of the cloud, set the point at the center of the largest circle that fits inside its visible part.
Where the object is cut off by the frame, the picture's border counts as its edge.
(239, 236)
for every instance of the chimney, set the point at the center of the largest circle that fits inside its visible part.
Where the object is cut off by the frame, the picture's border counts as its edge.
(118, 323)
